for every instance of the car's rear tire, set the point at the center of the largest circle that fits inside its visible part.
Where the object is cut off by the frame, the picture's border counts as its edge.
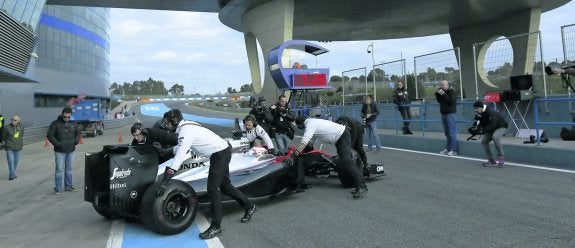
(106, 213)
(171, 213)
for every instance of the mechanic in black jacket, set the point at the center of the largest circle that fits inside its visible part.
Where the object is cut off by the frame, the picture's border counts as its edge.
(494, 127)
(64, 136)
(160, 139)
(356, 129)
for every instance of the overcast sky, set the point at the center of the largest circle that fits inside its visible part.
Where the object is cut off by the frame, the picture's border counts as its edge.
(196, 50)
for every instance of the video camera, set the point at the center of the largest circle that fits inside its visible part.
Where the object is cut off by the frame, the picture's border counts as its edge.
(549, 69)
(564, 77)
(475, 130)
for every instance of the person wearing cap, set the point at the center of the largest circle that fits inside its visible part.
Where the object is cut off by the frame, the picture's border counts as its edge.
(494, 127)
(263, 115)
(205, 143)
(335, 134)
(13, 134)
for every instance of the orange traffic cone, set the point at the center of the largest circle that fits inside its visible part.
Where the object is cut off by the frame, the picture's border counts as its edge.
(120, 139)
(46, 142)
(81, 140)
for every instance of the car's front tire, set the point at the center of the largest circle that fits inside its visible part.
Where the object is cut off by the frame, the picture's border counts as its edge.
(171, 213)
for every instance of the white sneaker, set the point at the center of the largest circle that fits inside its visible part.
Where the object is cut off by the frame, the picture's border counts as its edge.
(444, 152)
(452, 153)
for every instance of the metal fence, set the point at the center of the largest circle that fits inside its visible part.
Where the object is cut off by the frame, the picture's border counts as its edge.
(386, 76)
(432, 68)
(568, 40)
(503, 57)
(354, 85)
(36, 134)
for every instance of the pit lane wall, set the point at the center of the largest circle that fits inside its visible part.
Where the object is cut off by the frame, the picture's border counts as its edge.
(35, 134)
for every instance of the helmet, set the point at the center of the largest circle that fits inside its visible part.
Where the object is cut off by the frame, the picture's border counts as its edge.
(174, 116)
(258, 151)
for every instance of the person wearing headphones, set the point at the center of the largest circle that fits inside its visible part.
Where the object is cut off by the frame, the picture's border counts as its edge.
(255, 134)
(158, 138)
(205, 143)
(335, 134)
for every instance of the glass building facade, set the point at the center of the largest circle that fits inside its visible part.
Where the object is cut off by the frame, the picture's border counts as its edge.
(25, 12)
(70, 58)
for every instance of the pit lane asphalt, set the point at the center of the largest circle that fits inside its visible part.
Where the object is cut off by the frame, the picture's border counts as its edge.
(425, 200)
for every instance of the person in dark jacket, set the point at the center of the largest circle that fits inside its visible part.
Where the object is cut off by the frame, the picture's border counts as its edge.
(283, 116)
(263, 115)
(356, 130)
(64, 136)
(158, 138)
(369, 113)
(494, 127)
(401, 99)
(12, 134)
(447, 99)
(1, 125)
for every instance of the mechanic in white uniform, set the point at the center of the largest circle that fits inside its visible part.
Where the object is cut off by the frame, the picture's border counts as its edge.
(206, 143)
(255, 131)
(335, 134)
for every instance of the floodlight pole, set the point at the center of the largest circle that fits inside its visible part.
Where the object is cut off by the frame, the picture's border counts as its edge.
(371, 50)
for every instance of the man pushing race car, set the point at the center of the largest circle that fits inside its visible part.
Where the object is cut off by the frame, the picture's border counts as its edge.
(335, 134)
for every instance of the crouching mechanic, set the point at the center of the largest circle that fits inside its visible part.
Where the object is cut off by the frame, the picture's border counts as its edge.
(160, 139)
(256, 132)
(494, 127)
(205, 143)
(335, 134)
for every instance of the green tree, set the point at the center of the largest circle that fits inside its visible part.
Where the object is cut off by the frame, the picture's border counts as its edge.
(176, 90)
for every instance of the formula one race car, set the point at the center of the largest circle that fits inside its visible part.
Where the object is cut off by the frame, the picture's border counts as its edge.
(121, 182)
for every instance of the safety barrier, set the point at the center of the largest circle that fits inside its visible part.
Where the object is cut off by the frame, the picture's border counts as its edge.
(545, 101)
(35, 134)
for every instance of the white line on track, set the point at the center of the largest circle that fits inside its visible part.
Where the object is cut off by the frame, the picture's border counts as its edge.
(203, 225)
(116, 234)
(116, 237)
(475, 159)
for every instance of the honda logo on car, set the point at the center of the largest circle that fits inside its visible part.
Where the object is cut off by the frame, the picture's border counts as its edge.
(192, 165)
(120, 173)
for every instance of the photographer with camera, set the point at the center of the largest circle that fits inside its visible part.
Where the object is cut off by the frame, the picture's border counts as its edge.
(283, 116)
(263, 115)
(447, 99)
(493, 126)
(369, 113)
(401, 99)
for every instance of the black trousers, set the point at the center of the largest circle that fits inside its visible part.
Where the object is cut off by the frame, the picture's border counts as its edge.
(219, 181)
(357, 143)
(343, 146)
(406, 115)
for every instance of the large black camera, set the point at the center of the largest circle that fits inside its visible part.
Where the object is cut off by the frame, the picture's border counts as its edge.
(475, 130)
